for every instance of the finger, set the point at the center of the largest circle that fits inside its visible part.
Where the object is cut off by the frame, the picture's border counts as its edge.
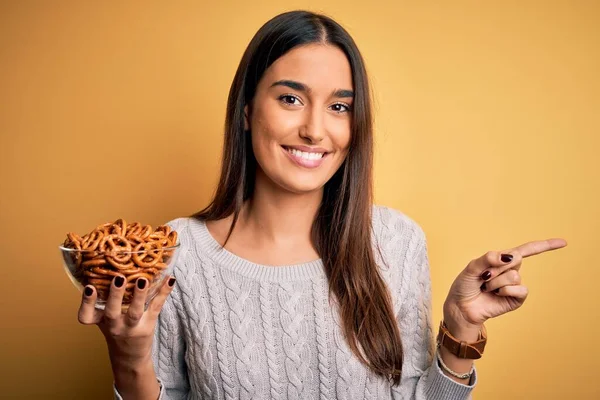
(509, 260)
(158, 301)
(512, 259)
(519, 292)
(112, 311)
(508, 278)
(136, 308)
(87, 311)
(540, 246)
(490, 260)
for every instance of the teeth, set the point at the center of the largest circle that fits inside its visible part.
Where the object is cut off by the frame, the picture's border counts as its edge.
(306, 155)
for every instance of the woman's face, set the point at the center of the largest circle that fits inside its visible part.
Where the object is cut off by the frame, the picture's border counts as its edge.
(300, 117)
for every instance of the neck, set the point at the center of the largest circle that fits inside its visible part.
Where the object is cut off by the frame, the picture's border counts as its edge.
(276, 216)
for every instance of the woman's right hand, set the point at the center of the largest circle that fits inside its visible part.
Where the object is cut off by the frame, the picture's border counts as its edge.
(128, 335)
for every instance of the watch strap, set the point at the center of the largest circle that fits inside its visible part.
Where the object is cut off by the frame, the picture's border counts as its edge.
(461, 349)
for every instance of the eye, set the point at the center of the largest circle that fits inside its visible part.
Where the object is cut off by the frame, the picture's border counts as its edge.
(341, 108)
(290, 99)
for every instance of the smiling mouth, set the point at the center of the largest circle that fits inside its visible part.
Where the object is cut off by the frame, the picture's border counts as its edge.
(310, 156)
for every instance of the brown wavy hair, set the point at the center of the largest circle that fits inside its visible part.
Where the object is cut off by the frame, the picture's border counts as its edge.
(341, 232)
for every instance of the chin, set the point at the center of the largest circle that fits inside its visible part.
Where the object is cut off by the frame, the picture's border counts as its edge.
(293, 180)
(301, 185)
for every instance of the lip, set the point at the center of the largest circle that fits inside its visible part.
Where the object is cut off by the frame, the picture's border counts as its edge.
(303, 162)
(307, 149)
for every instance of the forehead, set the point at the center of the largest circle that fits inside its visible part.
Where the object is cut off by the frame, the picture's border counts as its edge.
(321, 67)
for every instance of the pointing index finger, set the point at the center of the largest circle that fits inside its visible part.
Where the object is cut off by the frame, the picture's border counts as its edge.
(540, 246)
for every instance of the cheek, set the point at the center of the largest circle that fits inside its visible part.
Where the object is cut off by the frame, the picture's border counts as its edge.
(269, 125)
(340, 134)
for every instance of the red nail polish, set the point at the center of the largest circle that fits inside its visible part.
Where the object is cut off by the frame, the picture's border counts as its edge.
(486, 275)
(88, 291)
(506, 258)
(141, 283)
(171, 282)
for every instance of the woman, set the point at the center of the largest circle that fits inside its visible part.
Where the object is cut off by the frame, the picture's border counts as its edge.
(291, 284)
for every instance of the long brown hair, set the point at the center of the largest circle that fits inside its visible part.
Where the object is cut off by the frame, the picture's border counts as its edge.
(341, 232)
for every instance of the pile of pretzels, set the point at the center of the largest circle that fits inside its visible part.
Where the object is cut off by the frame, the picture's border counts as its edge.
(131, 250)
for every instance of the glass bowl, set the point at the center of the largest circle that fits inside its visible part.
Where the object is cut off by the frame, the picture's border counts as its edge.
(98, 268)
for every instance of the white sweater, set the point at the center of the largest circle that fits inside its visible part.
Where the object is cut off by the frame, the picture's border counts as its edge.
(233, 329)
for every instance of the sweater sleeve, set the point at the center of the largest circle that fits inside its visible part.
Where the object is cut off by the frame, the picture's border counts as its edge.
(168, 353)
(422, 378)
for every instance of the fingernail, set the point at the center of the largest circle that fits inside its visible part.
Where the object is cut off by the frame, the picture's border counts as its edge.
(506, 258)
(497, 290)
(88, 291)
(171, 282)
(486, 275)
(141, 283)
(483, 287)
(119, 281)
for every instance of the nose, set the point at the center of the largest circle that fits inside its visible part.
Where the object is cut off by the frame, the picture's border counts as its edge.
(313, 130)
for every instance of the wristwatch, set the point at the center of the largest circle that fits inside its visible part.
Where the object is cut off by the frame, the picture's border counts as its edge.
(470, 351)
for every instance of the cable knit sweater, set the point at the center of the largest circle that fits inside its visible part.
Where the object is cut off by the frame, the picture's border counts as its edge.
(233, 329)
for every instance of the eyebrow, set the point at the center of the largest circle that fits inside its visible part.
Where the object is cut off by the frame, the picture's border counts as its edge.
(301, 87)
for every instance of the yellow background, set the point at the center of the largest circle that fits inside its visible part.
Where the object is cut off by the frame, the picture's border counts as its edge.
(487, 135)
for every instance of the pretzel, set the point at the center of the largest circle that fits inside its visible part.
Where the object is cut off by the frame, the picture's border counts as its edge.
(73, 241)
(114, 244)
(91, 241)
(164, 229)
(147, 254)
(160, 265)
(103, 271)
(121, 226)
(159, 239)
(140, 275)
(172, 237)
(94, 262)
(109, 229)
(134, 229)
(119, 249)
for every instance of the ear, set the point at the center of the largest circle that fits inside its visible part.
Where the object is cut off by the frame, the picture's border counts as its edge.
(246, 119)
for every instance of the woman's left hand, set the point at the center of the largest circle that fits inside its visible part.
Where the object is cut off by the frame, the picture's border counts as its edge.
(490, 286)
